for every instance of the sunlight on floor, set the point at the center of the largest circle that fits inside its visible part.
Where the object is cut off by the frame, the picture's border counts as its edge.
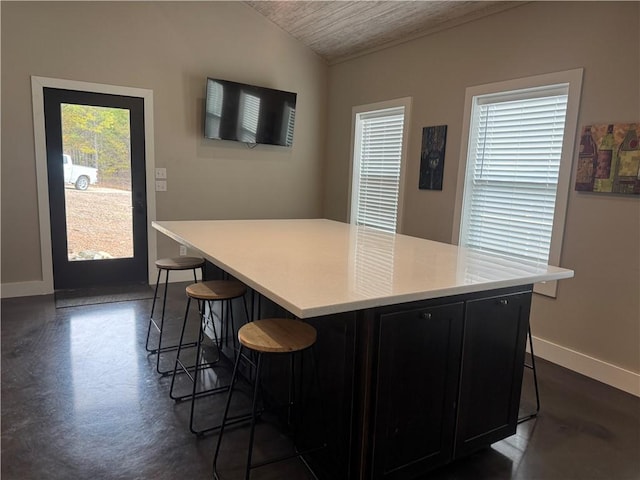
(96, 372)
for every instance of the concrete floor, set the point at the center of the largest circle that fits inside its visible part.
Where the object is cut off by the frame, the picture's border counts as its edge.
(81, 400)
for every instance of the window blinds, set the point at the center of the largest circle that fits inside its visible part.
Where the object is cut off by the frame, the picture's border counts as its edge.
(290, 119)
(378, 159)
(249, 115)
(512, 172)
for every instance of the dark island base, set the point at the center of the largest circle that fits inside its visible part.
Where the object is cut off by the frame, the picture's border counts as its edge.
(407, 388)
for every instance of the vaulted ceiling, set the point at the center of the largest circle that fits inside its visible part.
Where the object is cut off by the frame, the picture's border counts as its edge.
(338, 30)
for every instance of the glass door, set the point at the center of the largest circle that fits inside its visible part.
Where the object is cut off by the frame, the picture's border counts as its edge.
(97, 192)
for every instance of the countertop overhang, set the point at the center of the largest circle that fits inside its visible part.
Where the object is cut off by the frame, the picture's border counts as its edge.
(315, 267)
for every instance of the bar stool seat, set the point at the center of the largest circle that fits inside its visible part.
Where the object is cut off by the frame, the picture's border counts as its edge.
(216, 290)
(205, 293)
(167, 265)
(267, 336)
(179, 263)
(277, 335)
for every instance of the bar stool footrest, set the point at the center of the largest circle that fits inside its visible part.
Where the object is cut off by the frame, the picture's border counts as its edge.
(198, 367)
(171, 348)
(204, 393)
(230, 421)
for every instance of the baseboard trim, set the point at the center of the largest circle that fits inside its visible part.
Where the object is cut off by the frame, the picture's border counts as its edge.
(24, 289)
(591, 367)
(40, 287)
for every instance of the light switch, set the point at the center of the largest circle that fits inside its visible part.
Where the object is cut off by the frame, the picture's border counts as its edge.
(161, 185)
(161, 173)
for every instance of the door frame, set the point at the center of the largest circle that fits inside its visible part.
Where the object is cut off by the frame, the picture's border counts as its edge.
(37, 91)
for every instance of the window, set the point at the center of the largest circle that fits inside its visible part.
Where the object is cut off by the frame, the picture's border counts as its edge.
(379, 150)
(516, 169)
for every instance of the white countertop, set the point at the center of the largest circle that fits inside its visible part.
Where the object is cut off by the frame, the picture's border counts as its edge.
(319, 267)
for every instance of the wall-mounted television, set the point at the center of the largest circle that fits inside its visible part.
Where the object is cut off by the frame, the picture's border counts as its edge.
(248, 113)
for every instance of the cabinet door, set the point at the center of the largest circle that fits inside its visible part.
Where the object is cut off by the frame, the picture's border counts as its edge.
(495, 332)
(417, 375)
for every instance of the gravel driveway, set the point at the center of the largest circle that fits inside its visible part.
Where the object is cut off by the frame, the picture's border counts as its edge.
(99, 223)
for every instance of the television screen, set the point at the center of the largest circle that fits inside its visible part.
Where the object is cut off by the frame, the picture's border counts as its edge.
(250, 114)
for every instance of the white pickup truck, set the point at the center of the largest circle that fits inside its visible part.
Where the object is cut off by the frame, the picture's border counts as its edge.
(78, 175)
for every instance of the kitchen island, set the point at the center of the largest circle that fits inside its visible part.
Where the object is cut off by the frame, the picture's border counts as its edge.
(421, 344)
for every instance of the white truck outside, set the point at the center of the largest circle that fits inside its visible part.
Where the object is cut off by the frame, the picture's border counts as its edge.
(78, 175)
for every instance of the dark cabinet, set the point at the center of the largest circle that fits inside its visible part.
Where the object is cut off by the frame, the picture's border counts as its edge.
(410, 387)
(448, 381)
(418, 364)
(495, 331)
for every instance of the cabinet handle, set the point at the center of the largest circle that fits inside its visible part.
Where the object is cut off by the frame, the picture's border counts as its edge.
(503, 301)
(426, 316)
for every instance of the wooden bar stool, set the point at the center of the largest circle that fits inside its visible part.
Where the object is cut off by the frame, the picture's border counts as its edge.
(166, 265)
(206, 293)
(266, 337)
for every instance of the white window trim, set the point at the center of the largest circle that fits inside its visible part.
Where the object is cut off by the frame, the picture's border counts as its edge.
(574, 79)
(398, 102)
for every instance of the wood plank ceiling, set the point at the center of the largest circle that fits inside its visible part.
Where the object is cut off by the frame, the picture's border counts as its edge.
(339, 30)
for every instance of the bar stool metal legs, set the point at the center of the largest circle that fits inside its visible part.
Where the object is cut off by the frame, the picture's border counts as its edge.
(532, 366)
(267, 337)
(153, 306)
(206, 293)
(166, 265)
(254, 405)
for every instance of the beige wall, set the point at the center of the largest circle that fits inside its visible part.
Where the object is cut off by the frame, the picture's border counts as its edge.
(169, 48)
(598, 312)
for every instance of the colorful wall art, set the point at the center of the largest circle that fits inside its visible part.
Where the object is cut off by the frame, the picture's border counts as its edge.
(609, 159)
(434, 140)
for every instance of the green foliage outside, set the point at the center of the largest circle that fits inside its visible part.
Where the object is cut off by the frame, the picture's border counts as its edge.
(99, 137)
